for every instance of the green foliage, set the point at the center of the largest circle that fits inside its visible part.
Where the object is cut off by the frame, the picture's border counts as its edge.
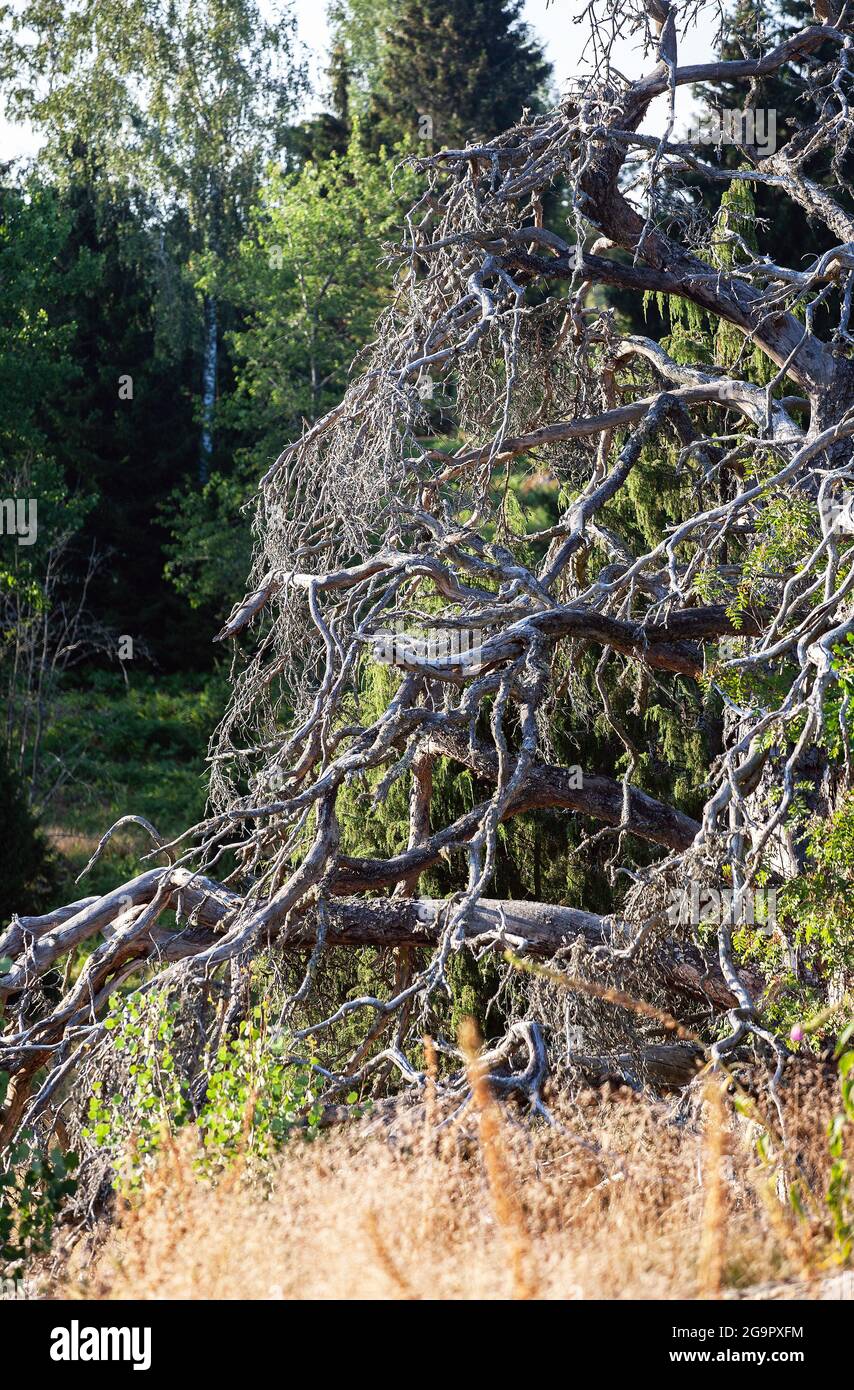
(183, 100)
(786, 537)
(815, 914)
(359, 28)
(138, 747)
(735, 241)
(701, 338)
(837, 735)
(34, 1186)
(35, 363)
(255, 1096)
(41, 603)
(474, 985)
(469, 66)
(37, 381)
(127, 290)
(781, 228)
(308, 286)
(820, 902)
(132, 1128)
(210, 547)
(158, 120)
(309, 282)
(92, 293)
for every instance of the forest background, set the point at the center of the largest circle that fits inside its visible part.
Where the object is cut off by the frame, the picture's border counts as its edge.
(190, 265)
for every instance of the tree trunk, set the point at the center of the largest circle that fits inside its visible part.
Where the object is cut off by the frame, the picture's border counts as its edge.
(208, 388)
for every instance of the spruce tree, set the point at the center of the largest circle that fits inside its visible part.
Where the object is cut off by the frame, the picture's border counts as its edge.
(781, 95)
(444, 72)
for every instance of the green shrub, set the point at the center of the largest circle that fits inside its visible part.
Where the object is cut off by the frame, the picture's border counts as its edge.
(255, 1097)
(33, 1188)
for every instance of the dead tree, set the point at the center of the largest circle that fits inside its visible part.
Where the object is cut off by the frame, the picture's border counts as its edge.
(368, 533)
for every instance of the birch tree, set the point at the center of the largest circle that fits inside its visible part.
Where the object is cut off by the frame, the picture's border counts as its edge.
(185, 102)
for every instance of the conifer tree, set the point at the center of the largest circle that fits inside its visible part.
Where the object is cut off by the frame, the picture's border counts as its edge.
(445, 72)
(779, 97)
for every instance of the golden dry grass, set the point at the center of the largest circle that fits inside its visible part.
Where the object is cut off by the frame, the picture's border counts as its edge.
(615, 1201)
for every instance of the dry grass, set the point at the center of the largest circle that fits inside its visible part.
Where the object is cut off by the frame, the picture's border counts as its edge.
(713, 1236)
(614, 1202)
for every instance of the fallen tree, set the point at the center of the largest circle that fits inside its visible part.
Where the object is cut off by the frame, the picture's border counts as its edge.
(372, 538)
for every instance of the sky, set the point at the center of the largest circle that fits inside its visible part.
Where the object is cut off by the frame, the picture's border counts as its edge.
(551, 21)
